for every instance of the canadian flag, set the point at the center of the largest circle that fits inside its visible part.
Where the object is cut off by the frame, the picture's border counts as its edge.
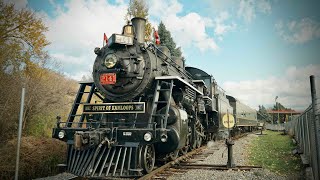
(105, 39)
(156, 37)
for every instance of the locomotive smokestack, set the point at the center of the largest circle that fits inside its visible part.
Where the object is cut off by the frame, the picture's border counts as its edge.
(139, 27)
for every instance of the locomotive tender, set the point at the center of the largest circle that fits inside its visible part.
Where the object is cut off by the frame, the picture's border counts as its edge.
(142, 106)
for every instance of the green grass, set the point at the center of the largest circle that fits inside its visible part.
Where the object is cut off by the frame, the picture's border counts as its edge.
(273, 151)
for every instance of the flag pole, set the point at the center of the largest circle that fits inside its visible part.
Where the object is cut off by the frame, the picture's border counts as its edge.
(103, 40)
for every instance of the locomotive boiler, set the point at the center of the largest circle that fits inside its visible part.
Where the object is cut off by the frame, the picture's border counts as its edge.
(143, 105)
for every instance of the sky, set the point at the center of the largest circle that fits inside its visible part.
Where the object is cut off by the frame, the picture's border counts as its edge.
(255, 49)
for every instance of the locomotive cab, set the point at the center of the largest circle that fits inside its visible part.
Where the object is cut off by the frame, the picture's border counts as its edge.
(208, 86)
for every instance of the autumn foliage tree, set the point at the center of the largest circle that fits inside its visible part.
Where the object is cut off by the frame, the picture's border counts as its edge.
(21, 37)
(24, 62)
(139, 8)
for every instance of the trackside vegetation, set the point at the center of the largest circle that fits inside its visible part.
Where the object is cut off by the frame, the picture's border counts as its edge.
(38, 157)
(25, 62)
(273, 151)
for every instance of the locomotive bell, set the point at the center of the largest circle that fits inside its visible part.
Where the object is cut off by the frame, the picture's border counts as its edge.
(127, 29)
(139, 28)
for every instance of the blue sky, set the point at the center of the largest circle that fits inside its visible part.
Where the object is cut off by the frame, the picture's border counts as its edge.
(255, 49)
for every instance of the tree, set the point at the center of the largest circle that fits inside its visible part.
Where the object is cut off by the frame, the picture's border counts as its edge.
(139, 8)
(22, 64)
(22, 43)
(21, 37)
(279, 106)
(167, 40)
(263, 114)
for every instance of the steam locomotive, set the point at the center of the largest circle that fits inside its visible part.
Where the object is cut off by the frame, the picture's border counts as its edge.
(143, 105)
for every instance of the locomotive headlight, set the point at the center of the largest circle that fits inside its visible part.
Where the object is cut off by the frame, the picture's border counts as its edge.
(110, 61)
(147, 136)
(61, 134)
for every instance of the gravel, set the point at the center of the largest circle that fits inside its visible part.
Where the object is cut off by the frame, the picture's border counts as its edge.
(62, 176)
(220, 157)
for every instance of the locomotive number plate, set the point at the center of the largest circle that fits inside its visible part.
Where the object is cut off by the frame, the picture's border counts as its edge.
(108, 78)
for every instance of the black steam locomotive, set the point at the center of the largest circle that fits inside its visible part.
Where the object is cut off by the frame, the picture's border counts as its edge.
(143, 105)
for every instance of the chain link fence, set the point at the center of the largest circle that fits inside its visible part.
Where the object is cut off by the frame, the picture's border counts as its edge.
(306, 131)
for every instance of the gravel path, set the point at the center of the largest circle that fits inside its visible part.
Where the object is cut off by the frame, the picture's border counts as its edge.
(240, 158)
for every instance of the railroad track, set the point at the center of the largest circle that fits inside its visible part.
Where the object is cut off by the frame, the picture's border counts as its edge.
(190, 161)
(182, 164)
(168, 169)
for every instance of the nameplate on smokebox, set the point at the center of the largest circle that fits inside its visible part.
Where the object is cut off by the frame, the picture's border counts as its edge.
(131, 107)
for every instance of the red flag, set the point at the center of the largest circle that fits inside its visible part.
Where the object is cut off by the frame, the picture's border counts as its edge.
(157, 38)
(156, 35)
(105, 39)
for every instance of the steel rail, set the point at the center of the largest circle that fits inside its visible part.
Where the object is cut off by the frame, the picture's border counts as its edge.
(181, 164)
(172, 163)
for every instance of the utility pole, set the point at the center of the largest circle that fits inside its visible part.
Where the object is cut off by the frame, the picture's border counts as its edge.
(278, 115)
(19, 134)
(277, 107)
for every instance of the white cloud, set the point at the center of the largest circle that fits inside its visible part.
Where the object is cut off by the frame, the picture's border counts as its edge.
(218, 5)
(191, 29)
(78, 28)
(248, 9)
(220, 26)
(79, 76)
(66, 59)
(73, 66)
(188, 30)
(299, 32)
(84, 23)
(164, 8)
(293, 88)
(264, 6)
